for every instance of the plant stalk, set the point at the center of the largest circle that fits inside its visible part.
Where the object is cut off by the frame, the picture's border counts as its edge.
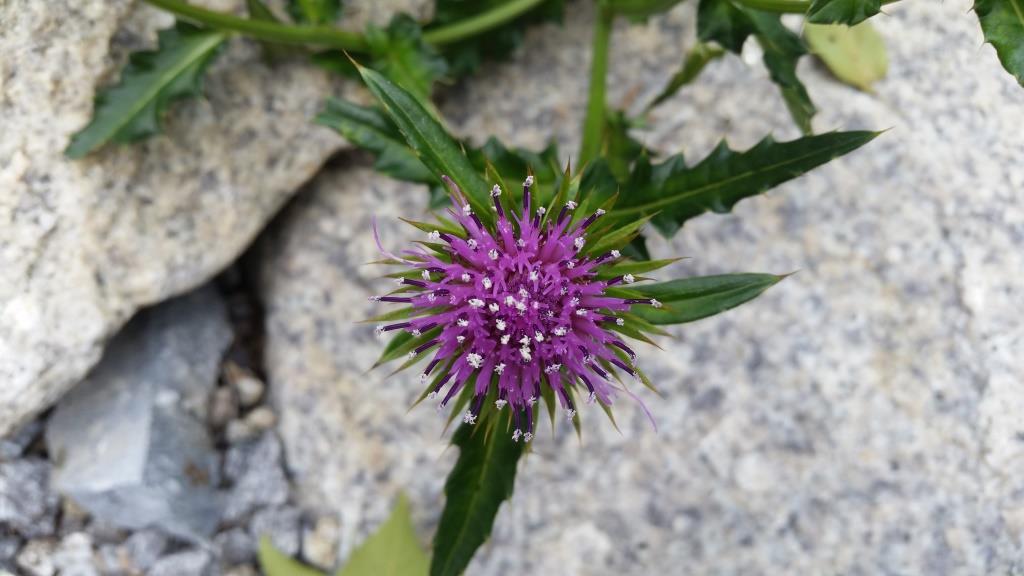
(593, 123)
(333, 37)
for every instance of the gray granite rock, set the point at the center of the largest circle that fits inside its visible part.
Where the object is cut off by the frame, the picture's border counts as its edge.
(9, 545)
(74, 556)
(235, 546)
(89, 242)
(144, 548)
(194, 562)
(256, 472)
(27, 506)
(282, 525)
(863, 417)
(130, 442)
(14, 446)
(36, 558)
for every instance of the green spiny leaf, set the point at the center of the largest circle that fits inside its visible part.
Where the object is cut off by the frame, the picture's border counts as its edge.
(782, 50)
(371, 129)
(730, 24)
(393, 550)
(438, 151)
(689, 299)
(634, 267)
(400, 53)
(696, 59)
(315, 12)
(483, 478)
(1002, 22)
(722, 22)
(275, 563)
(855, 55)
(133, 109)
(676, 193)
(848, 12)
(620, 149)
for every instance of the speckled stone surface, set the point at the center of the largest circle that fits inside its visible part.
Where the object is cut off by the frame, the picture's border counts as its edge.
(85, 243)
(864, 417)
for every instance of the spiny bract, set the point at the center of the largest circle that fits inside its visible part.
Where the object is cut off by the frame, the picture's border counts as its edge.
(515, 309)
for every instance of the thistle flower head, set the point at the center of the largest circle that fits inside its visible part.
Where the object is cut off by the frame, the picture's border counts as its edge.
(512, 310)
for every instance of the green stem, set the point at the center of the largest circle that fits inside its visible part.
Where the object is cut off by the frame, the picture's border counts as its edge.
(593, 123)
(785, 6)
(333, 37)
(480, 23)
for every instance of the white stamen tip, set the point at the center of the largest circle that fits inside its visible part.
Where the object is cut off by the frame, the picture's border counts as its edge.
(493, 254)
(467, 210)
(499, 403)
(475, 360)
(560, 331)
(570, 414)
(592, 398)
(581, 312)
(435, 235)
(628, 279)
(505, 338)
(528, 181)
(493, 307)
(532, 400)
(498, 370)
(431, 297)
(496, 191)
(528, 436)
(538, 336)
(432, 396)
(655, 303)
(472, 243)
(500, 325)
(423, 377)
(599, 212)
(570, 205)
(579, 242)
(426, 274)
(476, 303)
(574, 302)
(469, 418)
(465, 277)
(620, 322)
(516, 434)
(570, 265)
(542, 210)
(487, 283)
(460, 338)
(534, 275)
(525, 353)
(616, 253)
(379, 330)
(374, 298)
(521, 243)
(462, 322)
(416, 332)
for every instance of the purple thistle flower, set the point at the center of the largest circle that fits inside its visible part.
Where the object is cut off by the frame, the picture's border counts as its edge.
(514, 309)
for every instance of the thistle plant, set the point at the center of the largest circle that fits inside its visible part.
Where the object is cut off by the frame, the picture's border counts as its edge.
(520, 309)
(523, 299)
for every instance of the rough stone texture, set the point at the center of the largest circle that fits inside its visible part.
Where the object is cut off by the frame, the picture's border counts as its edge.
(863, 417)
(27, 506)
(257, 477)
(86, 243)
(130, 442)
(192, 562)
(282, 525)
